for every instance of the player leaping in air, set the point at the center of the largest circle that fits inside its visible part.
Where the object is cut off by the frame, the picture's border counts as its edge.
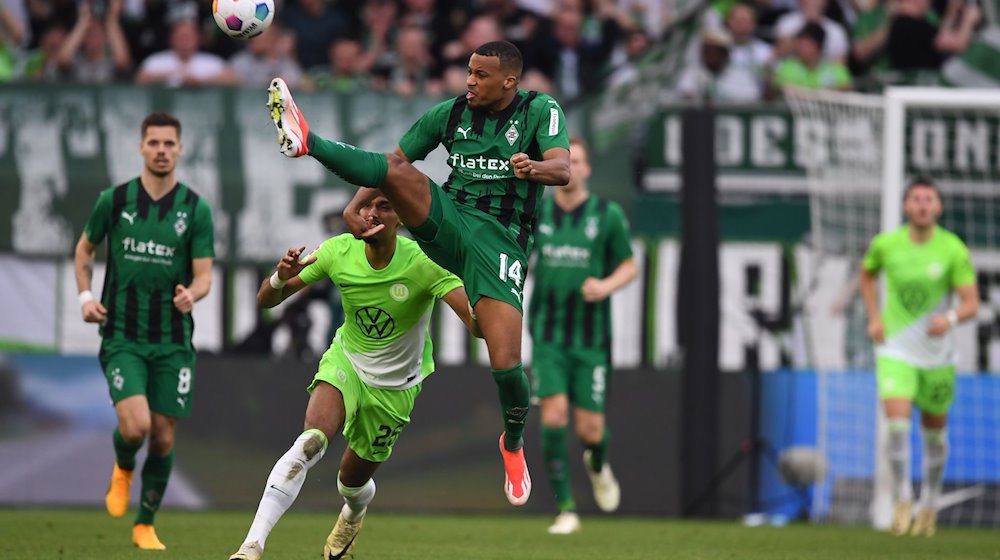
(504, 145)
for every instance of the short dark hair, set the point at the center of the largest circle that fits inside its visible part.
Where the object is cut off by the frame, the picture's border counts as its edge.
(509, 55)
(160, 118)
(921, 181)
(814, 31)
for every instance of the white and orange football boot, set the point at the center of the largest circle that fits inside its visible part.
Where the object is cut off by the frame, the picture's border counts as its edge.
(293, 130)
(516, 481)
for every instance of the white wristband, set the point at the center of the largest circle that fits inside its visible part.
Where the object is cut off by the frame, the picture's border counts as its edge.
(85, 296)
(952, 316)
(277, 283)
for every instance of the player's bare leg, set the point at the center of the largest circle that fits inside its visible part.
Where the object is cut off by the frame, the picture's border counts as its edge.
(324, 419)
(501, 326)
(356, 485)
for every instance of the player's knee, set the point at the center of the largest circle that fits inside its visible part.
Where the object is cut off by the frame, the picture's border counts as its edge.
(134, 431)
(161, 443)
(590, 433)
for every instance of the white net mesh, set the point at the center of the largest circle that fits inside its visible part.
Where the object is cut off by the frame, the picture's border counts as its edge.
(955, 140)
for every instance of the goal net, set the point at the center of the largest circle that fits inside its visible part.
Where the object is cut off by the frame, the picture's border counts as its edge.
(860, 152)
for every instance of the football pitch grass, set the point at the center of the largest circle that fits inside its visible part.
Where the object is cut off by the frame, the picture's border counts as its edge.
(41, 534)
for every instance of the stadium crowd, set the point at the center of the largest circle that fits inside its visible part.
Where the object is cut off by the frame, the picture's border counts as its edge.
(749, 50)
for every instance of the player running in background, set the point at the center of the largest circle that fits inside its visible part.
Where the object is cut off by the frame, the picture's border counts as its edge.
(372, 372)
(583, 256)
(160, 250)
(915, 341)
(504, 145)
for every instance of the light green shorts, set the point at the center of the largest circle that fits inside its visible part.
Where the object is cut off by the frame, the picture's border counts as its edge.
(932, 390)
(583, 374)
(164, 373)
(373, 418)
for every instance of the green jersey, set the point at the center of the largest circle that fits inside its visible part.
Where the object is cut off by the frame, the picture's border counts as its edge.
(919, 280)
(480, 146)
(385, 334)
(150, 247)
(588, 241)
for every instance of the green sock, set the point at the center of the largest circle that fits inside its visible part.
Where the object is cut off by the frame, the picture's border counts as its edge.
(557, 466)
(155, 474)
(356, 166)
(599, 452)
(125, 451)
(512, 385)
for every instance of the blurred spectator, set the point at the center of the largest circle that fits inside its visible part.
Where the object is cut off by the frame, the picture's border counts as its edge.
(11, 35)
(41, 64)
(456, 54)
(439, 20)
(183, 64)
(577, 63)
(346, 72)
(535, 80)
(410, 65)
(43, 14)
(977, 66)
(526, 29)
(380, 24)
(316, 24)
(749, 57)
(636, 45)
(810, 11)
(907, 39)
(95, 52)
(270, 54)
(701, 79)
(810, 68)
(147, 29)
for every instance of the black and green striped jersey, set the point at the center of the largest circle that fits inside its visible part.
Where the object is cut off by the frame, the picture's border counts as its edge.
(589, 241)
(150, 248)
(480, 146)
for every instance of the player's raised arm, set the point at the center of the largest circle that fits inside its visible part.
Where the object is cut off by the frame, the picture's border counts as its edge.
(458, 300)
(552, 170)
(285, 281)
(83, 264)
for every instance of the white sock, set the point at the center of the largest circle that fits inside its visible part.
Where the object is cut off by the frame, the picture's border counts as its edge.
(899, 459)
(285, 481)
(935, 457)
(356, 500)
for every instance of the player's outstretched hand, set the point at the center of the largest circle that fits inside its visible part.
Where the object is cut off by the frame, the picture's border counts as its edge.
(94, 312)
(290, 266)
(876, 330)
(183, 300)
(939, 325)
(522, 165)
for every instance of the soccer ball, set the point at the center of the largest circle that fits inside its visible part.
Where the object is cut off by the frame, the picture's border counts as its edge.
(243, 19)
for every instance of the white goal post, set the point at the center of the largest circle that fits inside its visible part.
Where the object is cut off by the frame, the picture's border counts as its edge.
(863, 150)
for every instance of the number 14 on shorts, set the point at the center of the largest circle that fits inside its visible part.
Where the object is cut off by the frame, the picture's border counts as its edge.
(511, 268)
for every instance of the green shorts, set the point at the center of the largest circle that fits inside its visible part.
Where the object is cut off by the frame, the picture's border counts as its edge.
(474, 246)
(932, 390)
(373, 417)
(584, 375)
(162, 372)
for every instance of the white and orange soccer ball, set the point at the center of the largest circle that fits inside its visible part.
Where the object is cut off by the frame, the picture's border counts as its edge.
(243, 19)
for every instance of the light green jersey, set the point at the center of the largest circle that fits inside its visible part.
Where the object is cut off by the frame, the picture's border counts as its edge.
(919, 280)
(385, 333)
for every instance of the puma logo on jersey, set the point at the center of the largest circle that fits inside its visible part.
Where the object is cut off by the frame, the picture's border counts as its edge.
(463, 131)
(129, 217)
(545, 229)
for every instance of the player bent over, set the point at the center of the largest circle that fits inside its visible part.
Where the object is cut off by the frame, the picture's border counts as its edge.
(369, 377)
(915, 342)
